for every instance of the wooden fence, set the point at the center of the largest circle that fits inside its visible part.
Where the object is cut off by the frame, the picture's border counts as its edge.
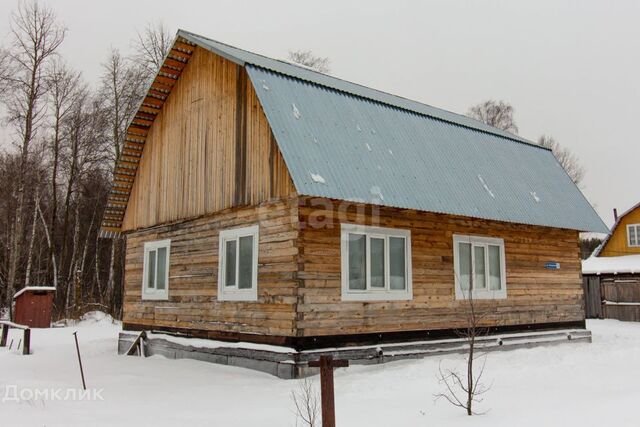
(612, 297)
(26, 337)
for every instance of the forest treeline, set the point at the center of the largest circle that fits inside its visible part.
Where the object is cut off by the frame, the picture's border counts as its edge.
(63, 136)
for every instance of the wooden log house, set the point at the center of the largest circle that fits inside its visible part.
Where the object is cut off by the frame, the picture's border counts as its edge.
(265, 202)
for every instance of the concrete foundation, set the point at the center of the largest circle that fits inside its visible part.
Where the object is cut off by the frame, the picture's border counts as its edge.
(288, 363)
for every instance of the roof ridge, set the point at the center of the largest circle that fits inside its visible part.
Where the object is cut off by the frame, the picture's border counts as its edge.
(515, 139)
(482, 127)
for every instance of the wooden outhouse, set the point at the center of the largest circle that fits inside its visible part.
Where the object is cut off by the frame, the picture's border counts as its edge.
(265, 202)
(33, 306)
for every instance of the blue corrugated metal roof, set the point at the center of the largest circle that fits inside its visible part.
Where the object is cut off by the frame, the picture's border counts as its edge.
(368, 151)
(348, 142)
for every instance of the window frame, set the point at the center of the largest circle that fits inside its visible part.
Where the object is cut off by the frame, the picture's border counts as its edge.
(228, 293)
(154, 293)
(375, 294)
(479, 241)
(636, 228)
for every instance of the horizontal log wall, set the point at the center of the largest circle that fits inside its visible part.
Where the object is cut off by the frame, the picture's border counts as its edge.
(534, 294)
(193, 274)
(210, 148)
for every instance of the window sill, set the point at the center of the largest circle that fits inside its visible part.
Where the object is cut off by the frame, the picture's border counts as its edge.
(155, 297)
(377, 296)
(238, 296)
(491, 295)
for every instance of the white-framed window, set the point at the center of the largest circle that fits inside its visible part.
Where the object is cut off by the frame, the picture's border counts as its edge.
(479, 266)
(155, 271)
(376, 263)
(633, 235)
(238, 265)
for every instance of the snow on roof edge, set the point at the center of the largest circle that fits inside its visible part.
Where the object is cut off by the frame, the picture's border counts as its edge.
(611, 265)
(34, 288)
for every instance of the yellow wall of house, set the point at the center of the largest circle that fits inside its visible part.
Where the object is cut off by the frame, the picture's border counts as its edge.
(617, 244)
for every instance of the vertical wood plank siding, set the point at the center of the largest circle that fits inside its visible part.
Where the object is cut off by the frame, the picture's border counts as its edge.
(193, 274)
(534, 294)
(209, 149)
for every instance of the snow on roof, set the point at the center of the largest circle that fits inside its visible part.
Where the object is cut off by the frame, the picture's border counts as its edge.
(611, 265)
(34, 288)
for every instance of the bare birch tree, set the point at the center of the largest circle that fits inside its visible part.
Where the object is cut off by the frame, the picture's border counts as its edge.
(566, 158)
(6, 68)
(122, 89)
(123, 83)
(32, 238)
(86, 137)
(308, 59)
(65, 88)
(151, 47)
(49, 240)
(35, 38)
(498, 114)
(56, 176)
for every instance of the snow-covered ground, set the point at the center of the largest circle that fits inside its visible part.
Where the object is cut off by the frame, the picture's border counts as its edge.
(566, 385)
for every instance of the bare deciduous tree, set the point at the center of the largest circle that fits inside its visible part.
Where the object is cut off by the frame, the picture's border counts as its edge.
(308, 59)
(65, 89)
(306, 402)
(56, 176)
(36, 36)
(464, 390)
(122, 86)
(85, 128)
(151, 47)
(49, 240)
(32, 237)
(498, 114)
(566, 158)
(5, 71)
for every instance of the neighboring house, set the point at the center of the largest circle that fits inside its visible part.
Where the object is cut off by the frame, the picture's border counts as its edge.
(265, 202)
(612, 273)
(624, 238)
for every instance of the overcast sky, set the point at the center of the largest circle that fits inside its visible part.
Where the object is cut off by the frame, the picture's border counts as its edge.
(571, 69)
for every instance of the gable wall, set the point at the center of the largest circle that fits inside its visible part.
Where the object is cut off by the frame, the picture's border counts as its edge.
(210, 148)
(617, 243)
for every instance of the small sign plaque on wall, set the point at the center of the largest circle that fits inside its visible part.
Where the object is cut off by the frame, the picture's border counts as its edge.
(552, 265)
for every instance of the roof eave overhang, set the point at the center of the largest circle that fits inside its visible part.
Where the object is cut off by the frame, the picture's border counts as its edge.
(126, 167)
